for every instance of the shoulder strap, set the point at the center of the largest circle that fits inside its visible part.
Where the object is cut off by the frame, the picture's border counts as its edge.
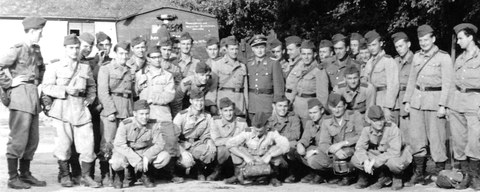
(373, 67)
(423, 65)
(73, 74)
(227, 79)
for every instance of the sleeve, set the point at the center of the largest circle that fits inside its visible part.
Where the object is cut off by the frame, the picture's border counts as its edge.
(447, 76)
(158, 146)
(178, 122)
(412, 78)
(362, 145)
(49, 83)
(168, 93)
(295, 131)
(237, 140)
(322, 83)
(91, 86)
(371, 95)
(245, 88)
(307, 134)
(395, 145)
(281, 142)
(391, 69)
(206, 133)
(324, 141)
(104, 91)
(6, 61)
(212, 91)
(278, 80)
(120, 146)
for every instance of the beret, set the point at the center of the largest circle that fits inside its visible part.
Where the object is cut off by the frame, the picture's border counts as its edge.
(293, 40)
(362, 44)
(136, 41)
(274, 43)
(225, 102)
(196, 94)
(375, 113)
(371, 36)
(338, 37)
(314, 102)
(356, 36)
(33, 22)
(87, 37)
(101, 36)
(152, 49)
(212, 41)
(258, 40)
(398, 36)
(185, 36)
(124, 45)
(334, 99)
(462, 26)
(140, 104)
(230, 40)
(351, 69)
(163, 32)
(325, 43)
(422, 30)
(260, 120)
(279, 98)
(164, 41)
(307, 44)
(71, 40)
(202, 67)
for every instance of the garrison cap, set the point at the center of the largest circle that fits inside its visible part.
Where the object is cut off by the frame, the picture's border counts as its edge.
(101, 36)
(338, 37)
(375, 113)
(371, 36)
(196, 94)
(307, 44)
(314, 102)
(398, 36)
(124, 45)
(33, 22)
(335, 98)
(87, 37)
(325, 43)
(258, 40)
(351, 69)
(223, 42)
(225, 102)
(164, 41)
(260, 120)
(274, 43)
(71, 39)
(293, 40)
(202, 67)
(279, 98)
(362, 44)
(462, 26)
(356, 36)
(212, 41)
(152, 49)
(137, 40)
(230, 40)
(185, 36)
(141, 104)
(422, 30)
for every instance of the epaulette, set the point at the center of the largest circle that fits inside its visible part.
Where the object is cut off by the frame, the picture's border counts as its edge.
(165, 123)
(291, 113)
(442, 51)
(187, 83)
(152, 121)
(127, 121)
(364, 85)
(342, 85)
(217, 117)
(248, 129)
(183, 111)
(240, 119)
(54, 60)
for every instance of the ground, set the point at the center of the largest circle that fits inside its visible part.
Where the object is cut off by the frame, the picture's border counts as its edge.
(44, 166)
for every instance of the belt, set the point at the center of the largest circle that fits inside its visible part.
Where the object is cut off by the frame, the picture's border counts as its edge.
(306, 95)
(468, 90)
(126, 95)
(29, 82)
(288, 90)
(238, 90)
(382, 88)
(80, 94)
(428, 88)
(403, 88)
(261, 91)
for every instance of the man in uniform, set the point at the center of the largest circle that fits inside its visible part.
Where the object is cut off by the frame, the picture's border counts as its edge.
(276, 50)
(186, 61)
(425, 99)
(336, 67)
(212, 50)
(338, 136)
(404, 60)
(72, 86)
(363, 54)
(382, 72)
(312, 81)
(139, 144)
(292, 43)
(265, 79)
(196, 144)
(25, 64)
(325, 51)
(355, 44)
(229, 78)
(104, 44)
(224, 127)
(137, 61)
(258, 145)
(379, 152)
(115, 84)
(201, 81)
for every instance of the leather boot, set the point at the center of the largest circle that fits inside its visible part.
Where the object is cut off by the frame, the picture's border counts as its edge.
(475, 172)
(27, 177)
(467, 178)
(105, 174)
(170, 169)
(199, 170)
(318, 177)
(362, 180)
(309, 177)
(397, 183)
(14, 181)
(418, 172)
(383, 179)
(439, 166)
(130, 176)
(64, 174)
(234, 178)
(87, 180)
(274, 176)
(147, 181)
(76, 168)
(216, 172)
(118, 181)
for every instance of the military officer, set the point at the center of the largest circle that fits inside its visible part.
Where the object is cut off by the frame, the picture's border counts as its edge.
(229, 78)
(224, 127)
(137, 61)
(312, 81)
(185, 60)
(258, 145)
(354, 44)
(212, 50)
(139, 144)
(196, 144)
(336, 67)
(382, 71)
(265, 79)
(115, 84)
(200, 80)
(292, 43)
(72, 86)
(25, 64)
(425, 99)
(325, 51)
(463, 104)
(379, 152)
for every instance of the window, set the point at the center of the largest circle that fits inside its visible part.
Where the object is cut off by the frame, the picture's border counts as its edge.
(81, 27)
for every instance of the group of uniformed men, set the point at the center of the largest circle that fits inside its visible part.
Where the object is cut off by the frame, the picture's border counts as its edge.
(352, 112)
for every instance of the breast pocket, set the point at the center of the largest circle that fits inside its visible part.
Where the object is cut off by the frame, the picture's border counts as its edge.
(63, 77)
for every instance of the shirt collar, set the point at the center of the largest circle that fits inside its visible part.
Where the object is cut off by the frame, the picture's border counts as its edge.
(430, 52)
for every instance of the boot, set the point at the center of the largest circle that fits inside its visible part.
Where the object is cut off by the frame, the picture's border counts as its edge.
(14, 181)
(216, 172)
(118, 181)
(346, 181)
(64, 174)
(88, 181)
(418, 172)
(475, 172)
(397, 183)
(130, 176)
(383, 179)
(234, 178)
(147, 182)
(105, 174)
(467, 178)
(76, 169)
(274, 176)
(362, 180)
(309, 177)
(439, 166)
(318, 179)
(199, 170)
(27, 177)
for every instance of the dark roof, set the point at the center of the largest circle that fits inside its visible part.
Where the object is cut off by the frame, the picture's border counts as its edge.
(111, 10)
(143, 11)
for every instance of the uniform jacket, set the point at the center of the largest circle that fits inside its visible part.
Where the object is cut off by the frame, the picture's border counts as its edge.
(189, 83)
(289, 127)
(259, 146)
(187, 65)
(336, 67)
(173, 69)
(193, 129)
(404, 68)
(384, 145)
(288, 65)
(331, 132)
(135, 64)
(311, 134)
(315, 81)
(359, 99)
(223, 130)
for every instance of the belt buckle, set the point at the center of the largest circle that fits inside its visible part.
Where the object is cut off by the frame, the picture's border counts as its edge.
(256, 91)
(125, 95)
(422, 88)
(463, 89)
(236, 89)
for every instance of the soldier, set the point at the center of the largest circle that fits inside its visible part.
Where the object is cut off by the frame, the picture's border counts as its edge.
(463, 106)
(185, 60)
(25, 64)
(258, 145)
(359, 96)
(224, 127)
(229, 78)
(276, 51)
(265, 79)
(104, 44)
(292, 43)
(115, 84)
(355, 44)
(325, 51)
(338, 135)
(72, 86)
(201, 81)
(336, 67)
(139, 144)
(404, 60)
(307, 146)
(223, 47)
(212, 50)
(379, 152)
(175, 49)
(312, 81)
(363, 54)
(137, 61)
(382, 72)
(425, 99)
(196, 145)
(86, 44)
